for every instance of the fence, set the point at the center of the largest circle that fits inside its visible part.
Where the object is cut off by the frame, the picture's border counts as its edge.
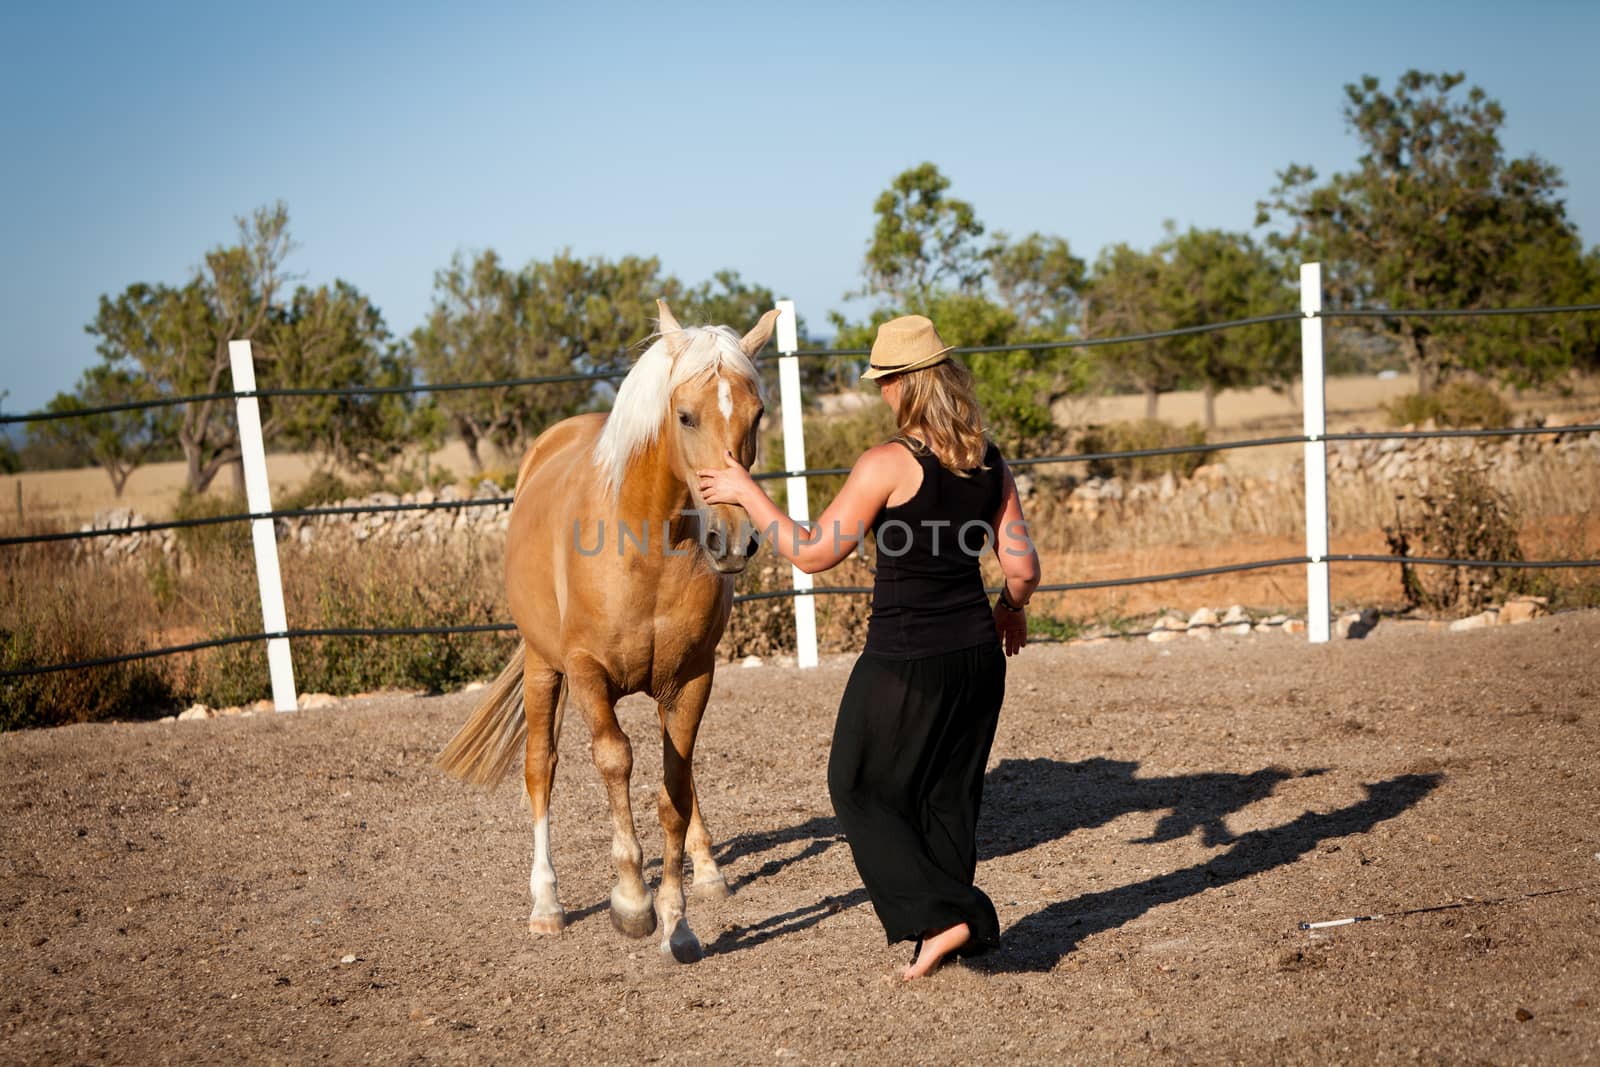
(277, 635)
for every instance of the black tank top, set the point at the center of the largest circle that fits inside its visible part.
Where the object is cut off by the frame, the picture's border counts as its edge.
(927, 597)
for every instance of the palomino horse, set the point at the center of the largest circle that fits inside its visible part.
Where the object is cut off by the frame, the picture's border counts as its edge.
(620, 580)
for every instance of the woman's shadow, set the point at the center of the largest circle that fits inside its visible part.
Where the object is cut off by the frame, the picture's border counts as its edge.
(1035, 801)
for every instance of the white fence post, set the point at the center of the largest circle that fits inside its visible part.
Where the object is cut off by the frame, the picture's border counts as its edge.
(1316, 426)
(258, 495)
(794, 458)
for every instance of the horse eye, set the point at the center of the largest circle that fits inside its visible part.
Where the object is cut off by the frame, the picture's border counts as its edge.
(686, 418)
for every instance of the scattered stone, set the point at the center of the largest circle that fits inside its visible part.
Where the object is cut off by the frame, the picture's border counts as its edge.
(1294, 626)
(347, 958)
(1235, 614)
(750, 661)
(1523, 1015)
(308, 701)
(1474, 622)
(1202, 617)
(1520, 610)
(196, 711)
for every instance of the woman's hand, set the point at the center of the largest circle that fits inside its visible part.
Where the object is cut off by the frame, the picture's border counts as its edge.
(1012, 626)
(726, 485)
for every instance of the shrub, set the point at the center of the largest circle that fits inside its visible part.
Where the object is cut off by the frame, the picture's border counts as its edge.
(376, 586)
(1462, 516)
(1146, 433)
(1459, 403)
(321, 489)
(229, 540)
(58, 611)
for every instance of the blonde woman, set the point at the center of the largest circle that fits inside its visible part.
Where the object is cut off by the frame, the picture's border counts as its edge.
(918, 714)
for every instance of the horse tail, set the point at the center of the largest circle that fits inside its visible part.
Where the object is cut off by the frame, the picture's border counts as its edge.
(484, 749)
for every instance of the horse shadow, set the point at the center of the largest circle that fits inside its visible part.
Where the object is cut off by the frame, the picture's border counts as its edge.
(1031, 802)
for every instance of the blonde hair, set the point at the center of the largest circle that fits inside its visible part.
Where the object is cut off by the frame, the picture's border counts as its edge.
(939, 407)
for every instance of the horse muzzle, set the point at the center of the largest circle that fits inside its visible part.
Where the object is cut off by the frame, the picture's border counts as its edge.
(729, 553)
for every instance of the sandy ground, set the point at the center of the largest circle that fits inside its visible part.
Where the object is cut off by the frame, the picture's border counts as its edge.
(1158, 819)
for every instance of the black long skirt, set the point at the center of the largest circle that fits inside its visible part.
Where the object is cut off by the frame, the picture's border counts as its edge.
(906, 780)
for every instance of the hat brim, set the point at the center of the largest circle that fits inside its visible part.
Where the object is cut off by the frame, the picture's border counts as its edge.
(874, 371)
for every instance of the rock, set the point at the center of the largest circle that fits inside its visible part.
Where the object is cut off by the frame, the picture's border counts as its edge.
(1294, 626)
(750, 661)
(1160, 635)
(1473, 622)
(1235, 614)
(262, 705)
(308, 701)
(1202, 623)
(1168, 486)
(1238, 629)
(196, 711)
(1168, 628)
(1520, 610)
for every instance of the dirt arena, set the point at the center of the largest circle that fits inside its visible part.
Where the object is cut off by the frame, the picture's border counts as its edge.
(1158, 819)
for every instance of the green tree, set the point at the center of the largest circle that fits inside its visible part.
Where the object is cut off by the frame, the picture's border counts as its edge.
(175, 339)
(1211, 276)
(564, 316)
(922, 240)
(335, 334)
(1122, 298)
(1040, 280)
(119, 442)
(924, 258)
(1436, 216)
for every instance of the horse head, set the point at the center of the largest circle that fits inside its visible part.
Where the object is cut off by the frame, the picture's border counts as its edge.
(715, 407)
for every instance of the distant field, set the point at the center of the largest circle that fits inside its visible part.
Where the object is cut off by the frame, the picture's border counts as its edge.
(76, 495)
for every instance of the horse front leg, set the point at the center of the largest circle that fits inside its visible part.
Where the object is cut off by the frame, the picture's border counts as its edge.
(631, 911)
(680, 819)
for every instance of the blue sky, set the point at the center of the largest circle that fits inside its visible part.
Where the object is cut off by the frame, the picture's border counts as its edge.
(742, 135)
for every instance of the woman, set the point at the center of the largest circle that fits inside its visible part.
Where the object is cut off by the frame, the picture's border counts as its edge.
(919, 712)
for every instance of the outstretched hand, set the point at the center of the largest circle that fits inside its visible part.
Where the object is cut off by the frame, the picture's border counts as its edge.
(727, 484)
(1012, 626)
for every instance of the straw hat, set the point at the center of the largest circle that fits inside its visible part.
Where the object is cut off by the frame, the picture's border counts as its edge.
(907, 343)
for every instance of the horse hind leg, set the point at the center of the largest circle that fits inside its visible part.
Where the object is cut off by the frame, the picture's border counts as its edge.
(543, 696)
(632, 911)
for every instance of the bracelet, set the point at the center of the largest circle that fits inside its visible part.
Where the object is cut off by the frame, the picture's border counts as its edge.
(1006, 602)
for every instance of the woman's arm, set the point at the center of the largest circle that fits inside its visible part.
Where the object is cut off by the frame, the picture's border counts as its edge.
(1019, 564)
(831, 538)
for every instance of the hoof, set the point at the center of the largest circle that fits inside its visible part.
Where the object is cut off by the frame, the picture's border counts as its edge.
(683, 947)
(711, 889)
(634, 924)
(547, 925)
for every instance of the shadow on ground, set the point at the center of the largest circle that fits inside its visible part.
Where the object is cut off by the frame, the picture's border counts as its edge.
(1032, 802)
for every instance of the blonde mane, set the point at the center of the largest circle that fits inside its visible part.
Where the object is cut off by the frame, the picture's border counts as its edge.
(642, 399)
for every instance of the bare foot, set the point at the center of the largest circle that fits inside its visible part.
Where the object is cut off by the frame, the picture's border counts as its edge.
(935, 947)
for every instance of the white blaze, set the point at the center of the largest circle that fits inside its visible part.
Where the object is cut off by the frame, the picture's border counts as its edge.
(724, 397)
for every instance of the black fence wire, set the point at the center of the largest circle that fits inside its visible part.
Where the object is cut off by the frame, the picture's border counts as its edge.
(503, 501)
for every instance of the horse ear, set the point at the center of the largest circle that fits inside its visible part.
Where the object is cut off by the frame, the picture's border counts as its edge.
(757, 338)
(671, 332)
